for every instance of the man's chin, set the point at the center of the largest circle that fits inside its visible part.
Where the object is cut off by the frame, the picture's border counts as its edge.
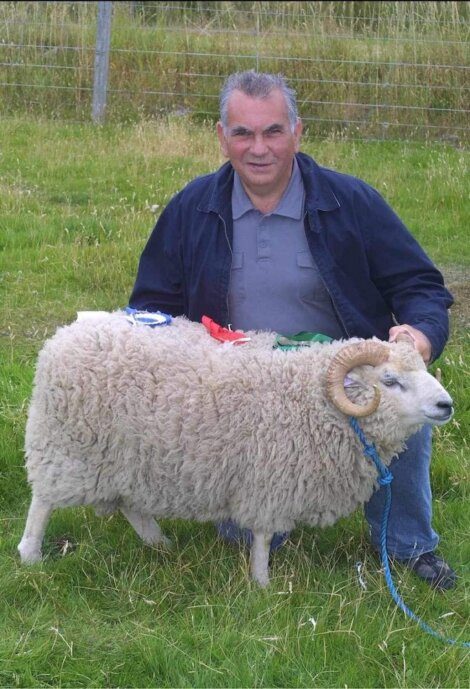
(253, 177)
(255, 172)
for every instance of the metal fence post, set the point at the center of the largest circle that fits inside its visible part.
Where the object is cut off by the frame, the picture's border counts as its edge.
(103, 38)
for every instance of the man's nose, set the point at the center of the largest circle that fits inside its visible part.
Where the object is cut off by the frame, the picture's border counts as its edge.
(259, 147)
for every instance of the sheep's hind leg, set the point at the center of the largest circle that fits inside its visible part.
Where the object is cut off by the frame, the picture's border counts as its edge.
(259, 557)
(30, 545)
(146, 527)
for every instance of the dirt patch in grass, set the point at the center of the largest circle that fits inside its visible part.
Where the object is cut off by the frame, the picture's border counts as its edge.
(457, 279)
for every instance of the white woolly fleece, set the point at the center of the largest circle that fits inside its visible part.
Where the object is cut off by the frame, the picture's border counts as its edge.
(168, 422)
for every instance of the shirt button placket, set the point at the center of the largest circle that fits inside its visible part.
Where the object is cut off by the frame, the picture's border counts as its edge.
(264, 249)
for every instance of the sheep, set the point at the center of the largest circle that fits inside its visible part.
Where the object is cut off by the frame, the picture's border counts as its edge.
(168, 422)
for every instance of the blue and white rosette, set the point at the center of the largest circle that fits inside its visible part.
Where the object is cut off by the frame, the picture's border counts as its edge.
(136, 317)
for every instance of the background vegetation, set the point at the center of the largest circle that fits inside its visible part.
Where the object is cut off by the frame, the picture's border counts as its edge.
(76, 206)
(375, 70)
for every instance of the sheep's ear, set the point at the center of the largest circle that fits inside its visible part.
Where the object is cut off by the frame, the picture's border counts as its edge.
(351, 380)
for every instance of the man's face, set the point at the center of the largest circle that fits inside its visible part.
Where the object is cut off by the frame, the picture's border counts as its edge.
(259, 141)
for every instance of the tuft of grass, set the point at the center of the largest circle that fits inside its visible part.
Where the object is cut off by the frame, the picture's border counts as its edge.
(76, 207)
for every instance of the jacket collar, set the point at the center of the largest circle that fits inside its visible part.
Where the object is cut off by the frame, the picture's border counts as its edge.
(318, 193)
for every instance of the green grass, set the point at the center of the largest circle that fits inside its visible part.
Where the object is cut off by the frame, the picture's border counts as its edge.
(102, 610)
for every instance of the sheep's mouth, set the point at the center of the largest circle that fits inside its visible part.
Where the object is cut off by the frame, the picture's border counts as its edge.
(439, 419)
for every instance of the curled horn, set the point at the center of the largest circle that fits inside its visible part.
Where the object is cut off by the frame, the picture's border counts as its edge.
(372, 353)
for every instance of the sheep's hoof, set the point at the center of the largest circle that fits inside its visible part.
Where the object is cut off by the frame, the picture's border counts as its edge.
(161, 542)
(262, 580)
(30, 552)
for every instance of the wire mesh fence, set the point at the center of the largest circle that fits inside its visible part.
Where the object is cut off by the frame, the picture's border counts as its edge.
(363, 70)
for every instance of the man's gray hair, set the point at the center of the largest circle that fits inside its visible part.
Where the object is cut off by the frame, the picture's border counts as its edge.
(257, 85)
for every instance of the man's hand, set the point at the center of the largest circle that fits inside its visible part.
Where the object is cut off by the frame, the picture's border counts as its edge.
(420, 340)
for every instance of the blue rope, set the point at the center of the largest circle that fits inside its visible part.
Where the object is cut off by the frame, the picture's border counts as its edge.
(385, 479)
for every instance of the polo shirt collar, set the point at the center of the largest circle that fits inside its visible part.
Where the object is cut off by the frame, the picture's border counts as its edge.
(319, 195)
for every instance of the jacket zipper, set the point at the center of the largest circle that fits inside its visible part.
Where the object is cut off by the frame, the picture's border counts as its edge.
(231, 252)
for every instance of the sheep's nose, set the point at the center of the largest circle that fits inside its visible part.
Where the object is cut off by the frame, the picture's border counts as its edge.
(446, 406)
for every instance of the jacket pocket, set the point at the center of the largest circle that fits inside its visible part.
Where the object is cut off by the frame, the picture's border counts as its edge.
(311, 287)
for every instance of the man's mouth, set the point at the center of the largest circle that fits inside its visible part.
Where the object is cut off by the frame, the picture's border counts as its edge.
(259, 166)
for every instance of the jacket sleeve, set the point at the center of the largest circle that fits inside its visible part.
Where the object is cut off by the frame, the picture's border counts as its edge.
(159, 285)
(405, 276)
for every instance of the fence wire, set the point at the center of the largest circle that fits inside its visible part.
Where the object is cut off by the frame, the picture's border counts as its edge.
(363, 70)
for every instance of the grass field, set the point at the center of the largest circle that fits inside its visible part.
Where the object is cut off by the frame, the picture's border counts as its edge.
(76, 206)
(374, 70)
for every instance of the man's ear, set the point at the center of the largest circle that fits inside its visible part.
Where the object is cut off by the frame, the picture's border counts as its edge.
(222, 139)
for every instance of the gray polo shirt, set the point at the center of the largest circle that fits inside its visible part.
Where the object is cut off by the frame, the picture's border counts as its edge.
(274, 282)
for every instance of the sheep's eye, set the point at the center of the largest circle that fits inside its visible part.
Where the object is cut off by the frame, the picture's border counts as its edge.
(391, 382)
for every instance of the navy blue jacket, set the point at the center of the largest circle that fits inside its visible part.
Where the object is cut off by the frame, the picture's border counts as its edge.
(375, 271)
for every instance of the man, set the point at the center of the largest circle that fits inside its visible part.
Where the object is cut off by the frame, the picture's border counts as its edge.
(274, 241)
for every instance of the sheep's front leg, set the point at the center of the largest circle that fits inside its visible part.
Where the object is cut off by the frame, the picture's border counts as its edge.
(146, 527)
(30, 545)
(259, 557)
